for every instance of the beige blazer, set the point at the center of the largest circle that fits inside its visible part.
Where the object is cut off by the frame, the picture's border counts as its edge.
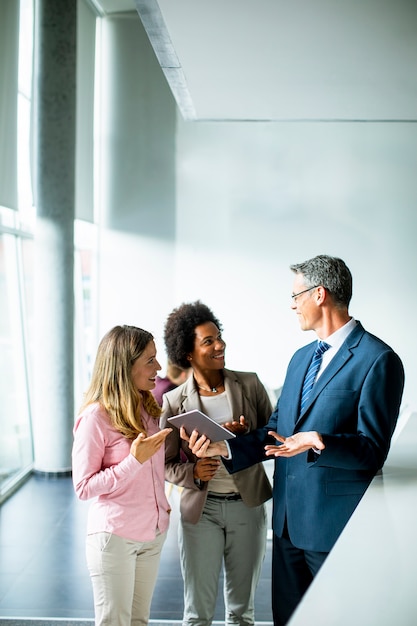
(247, 397)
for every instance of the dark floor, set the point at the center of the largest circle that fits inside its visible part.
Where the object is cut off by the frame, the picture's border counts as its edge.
(42, 565)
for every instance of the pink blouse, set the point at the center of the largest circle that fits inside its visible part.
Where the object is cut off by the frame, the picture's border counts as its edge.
(130, 496)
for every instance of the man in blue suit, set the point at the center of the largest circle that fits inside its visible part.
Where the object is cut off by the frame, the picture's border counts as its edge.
(328, 438)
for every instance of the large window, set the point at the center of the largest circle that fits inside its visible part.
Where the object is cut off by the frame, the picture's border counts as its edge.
(16, 281)
(17, 248)
(85, 284)
(16, 455)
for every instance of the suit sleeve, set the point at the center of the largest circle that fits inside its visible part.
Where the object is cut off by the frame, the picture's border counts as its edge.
(249, 449)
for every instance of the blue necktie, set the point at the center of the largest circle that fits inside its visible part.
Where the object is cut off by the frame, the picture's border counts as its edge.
(313, 368)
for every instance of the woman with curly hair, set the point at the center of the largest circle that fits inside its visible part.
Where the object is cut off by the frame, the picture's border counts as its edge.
(223, 517)
(118, 459)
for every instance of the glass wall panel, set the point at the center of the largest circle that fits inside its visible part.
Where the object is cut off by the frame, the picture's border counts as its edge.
(17, 251)
(16, 455)
(85, 282)
(27, 305)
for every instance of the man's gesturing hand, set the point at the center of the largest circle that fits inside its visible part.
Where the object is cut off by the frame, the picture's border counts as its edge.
(290, 446)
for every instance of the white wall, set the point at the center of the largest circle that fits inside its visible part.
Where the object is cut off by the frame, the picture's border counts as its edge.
(224, 217)
(136, 204)
(136, 283)
(252, 198)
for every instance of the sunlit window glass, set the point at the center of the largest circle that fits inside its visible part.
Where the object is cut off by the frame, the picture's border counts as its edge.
(24, 108)
(15, 432)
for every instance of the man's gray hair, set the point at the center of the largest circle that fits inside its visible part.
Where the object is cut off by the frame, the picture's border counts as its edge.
(331, 273)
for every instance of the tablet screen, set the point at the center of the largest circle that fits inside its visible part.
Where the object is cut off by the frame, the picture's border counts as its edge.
(196, 420)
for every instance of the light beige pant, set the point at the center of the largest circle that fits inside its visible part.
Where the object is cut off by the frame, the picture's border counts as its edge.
(123, 574)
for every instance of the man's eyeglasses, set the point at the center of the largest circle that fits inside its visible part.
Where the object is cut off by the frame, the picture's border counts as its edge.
(295, 295)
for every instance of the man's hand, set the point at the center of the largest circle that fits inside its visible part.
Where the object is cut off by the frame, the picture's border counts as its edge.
(203, 447)
(205, 469)
(290, 446)
(238, 428)
(144, 447)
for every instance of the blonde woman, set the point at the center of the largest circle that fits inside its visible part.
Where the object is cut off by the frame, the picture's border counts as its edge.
(118, 459)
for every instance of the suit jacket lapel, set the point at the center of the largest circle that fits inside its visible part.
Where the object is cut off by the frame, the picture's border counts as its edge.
(299, 381)
(343, 355)
(234, 393)
(190, 398)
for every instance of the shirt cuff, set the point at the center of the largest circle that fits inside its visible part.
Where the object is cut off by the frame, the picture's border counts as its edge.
(229, 452)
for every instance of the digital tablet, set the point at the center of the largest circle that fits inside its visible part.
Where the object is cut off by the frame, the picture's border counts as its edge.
(196, 420)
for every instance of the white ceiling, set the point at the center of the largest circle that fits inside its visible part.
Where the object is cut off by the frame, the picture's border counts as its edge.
(279, 60)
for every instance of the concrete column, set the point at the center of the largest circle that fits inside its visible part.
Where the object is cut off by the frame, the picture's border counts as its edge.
(54, 178)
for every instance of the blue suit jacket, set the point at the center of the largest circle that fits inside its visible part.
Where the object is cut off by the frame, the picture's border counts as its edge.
(354, 405)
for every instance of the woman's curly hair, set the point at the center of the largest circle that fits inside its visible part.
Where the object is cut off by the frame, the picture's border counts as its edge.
(179, 334)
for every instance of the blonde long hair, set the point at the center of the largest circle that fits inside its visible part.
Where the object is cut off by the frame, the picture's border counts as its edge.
(111, 382)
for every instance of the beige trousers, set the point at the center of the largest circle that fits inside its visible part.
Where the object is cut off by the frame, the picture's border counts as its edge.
(123, 574)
